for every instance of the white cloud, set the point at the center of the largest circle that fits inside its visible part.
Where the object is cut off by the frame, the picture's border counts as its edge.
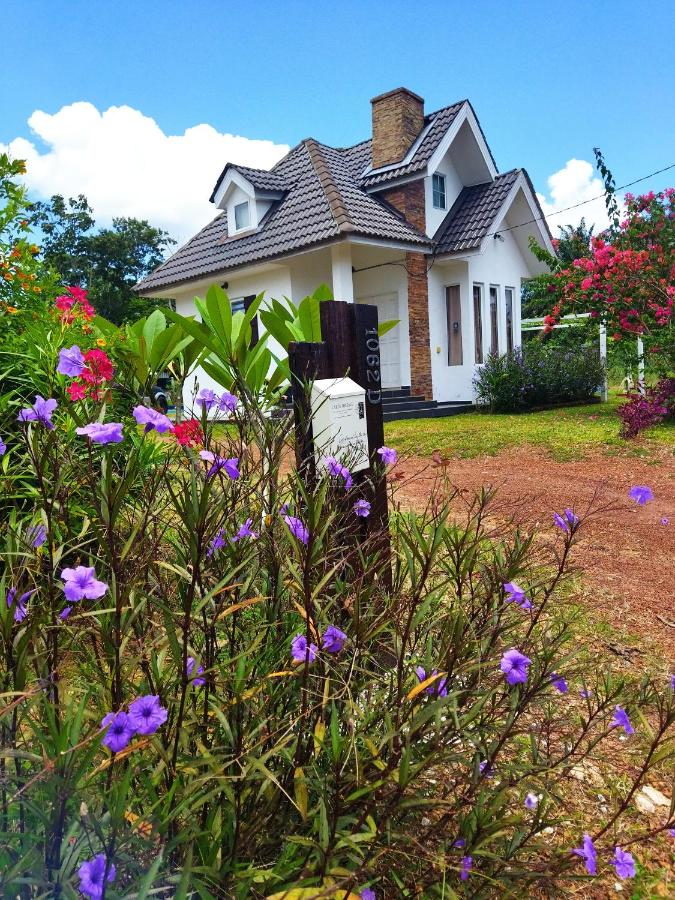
(125, 165)
(571, 185)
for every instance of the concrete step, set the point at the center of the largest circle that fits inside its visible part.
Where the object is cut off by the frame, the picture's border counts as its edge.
(438, 410)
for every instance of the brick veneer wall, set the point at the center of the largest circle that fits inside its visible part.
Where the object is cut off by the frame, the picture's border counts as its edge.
(408, 199)
(418, 325)
(398, 117)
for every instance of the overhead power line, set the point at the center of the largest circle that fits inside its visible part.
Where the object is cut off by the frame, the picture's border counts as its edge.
(583, 202)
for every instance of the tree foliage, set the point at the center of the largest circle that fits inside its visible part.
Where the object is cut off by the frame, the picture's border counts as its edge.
(108, 262)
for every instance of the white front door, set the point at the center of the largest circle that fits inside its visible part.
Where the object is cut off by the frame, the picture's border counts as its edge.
(390, 351)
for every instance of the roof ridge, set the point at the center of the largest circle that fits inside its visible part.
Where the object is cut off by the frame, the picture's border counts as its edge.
(323, 172)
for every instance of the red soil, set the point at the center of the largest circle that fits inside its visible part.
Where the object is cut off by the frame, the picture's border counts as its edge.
(626, 556)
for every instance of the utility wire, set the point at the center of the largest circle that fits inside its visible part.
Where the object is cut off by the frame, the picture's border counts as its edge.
(582, 202)
(522, 224)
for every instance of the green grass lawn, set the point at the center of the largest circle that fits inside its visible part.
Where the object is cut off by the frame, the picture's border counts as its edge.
(565, 433)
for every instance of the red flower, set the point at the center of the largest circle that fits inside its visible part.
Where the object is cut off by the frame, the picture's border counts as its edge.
(189, 433)
(99, 367)
(76, 391)
(77, 293)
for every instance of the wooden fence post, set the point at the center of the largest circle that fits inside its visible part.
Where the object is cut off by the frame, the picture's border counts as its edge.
(350, 347)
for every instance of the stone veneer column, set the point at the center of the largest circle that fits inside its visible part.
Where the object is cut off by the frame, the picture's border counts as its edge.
(418, 325)
(408, 199)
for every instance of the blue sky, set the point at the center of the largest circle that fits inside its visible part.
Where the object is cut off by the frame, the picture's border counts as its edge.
(548, 82)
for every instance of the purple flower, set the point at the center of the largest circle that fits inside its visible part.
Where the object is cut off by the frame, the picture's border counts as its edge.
(71, 362)
(91, 876)
(588, 854)
(147, 714)
(217, 543)
(333, 640)
(207, 398)
(119, 731)
(297, 528)
(228, 402)
(37, 535)
(486, 769)
(566, 522)
(198, 682)
(586, 694)
(152, 419)
(41, 411)
(514, 665)
(245, 531)
(333, 467)
(531, 801)
(367, 894)
(102, 432)
(206, 455)
(621, 720)
(337, 470)
(3, 447)
(671, 832)
(664, 520)
(20, 608)
(81, 583)
(438, 688)
(623, 863)
(301, 650)
(465, 871)
(362, 508)
(672, 682)
(641, 494)
(231, 467)
(514, 593)
(389, 456)
(460, 842)
(559, 683)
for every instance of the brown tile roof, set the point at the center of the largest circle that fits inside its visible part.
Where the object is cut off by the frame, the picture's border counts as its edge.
(321, 203)
(473, 213)
(259, 178)
(323, 198)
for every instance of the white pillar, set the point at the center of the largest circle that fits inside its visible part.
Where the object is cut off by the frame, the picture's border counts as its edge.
(641, 365)
(603, 358)
(341, 259)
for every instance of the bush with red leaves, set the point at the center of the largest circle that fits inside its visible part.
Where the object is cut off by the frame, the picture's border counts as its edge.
(650, 408)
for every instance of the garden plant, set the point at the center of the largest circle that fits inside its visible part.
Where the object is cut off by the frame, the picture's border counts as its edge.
(211, 687)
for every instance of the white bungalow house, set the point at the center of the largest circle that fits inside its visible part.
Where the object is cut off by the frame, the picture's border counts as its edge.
(416, 220)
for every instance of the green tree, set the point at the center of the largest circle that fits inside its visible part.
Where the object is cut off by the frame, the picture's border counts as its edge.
(106, 261)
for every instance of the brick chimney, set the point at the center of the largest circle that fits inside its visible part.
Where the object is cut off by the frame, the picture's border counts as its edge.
(398, 117)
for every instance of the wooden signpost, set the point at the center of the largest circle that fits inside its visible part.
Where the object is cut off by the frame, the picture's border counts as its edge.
(350, 348)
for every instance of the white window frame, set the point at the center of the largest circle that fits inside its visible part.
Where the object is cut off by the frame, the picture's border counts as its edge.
(510, 328)
(493, 326)
(247, 204)
(441, 190)
(478, 327)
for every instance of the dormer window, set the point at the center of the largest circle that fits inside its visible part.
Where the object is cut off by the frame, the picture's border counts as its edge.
(438, 190)
(242, 215)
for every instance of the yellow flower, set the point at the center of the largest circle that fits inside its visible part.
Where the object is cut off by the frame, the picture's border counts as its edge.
(100, 342)
(12, 309)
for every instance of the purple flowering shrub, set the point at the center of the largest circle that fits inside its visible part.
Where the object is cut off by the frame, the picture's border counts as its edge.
(644, 410)
(209, 682)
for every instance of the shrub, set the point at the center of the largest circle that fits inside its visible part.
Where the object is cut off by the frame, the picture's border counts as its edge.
(210, 688)
(650, 408)
(538, 375)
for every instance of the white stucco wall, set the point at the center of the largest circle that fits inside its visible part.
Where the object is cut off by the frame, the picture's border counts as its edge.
(501, 264)
(383, 282)
(453, 187)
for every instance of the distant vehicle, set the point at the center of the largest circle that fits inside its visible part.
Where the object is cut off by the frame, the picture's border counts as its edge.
(160, 394)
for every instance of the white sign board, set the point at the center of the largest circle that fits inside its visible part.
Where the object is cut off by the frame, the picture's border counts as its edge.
(339, 422)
